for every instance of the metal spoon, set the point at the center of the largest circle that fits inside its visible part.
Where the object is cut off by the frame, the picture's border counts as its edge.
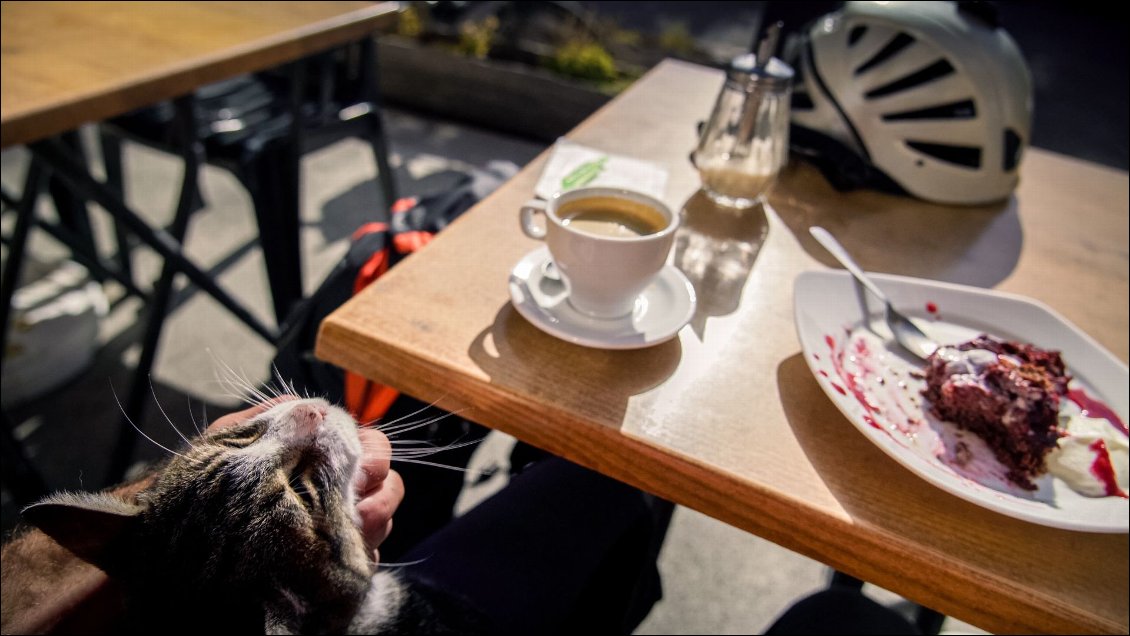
(906, 332)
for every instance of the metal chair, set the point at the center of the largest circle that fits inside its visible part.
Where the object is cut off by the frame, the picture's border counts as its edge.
(247, 126)
(257, 127)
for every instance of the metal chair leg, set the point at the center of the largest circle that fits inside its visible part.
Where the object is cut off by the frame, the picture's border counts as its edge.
(115, 180)
(25, 211)
(70, 208)
(377, 139)
(271, 176)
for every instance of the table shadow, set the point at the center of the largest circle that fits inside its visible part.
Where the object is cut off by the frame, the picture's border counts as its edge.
(969, 245)
(716, 248)
(582, 380)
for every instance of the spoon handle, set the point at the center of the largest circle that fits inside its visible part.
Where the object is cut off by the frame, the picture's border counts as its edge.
(833, 246)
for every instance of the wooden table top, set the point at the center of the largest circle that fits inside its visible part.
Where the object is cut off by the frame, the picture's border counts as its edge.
(727, 418)
(68, 63)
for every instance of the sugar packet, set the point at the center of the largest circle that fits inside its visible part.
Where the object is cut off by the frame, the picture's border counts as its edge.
(573, 165)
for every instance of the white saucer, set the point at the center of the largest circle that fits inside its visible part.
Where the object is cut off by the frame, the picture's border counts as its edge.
(661, 310)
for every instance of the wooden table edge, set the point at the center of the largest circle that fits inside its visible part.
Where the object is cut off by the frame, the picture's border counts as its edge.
(339, 345)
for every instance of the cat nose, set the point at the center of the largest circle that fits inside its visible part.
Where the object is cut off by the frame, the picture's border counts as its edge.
(307, 418)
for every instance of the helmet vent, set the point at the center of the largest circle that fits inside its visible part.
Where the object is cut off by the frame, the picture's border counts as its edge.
(964, 109)
(891, 49)
(801, 101)
(1011, 149)
(933, 72)
(856, 34)
(967, 156)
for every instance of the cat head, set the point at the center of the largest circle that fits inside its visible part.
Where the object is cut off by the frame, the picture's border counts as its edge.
(260, 516)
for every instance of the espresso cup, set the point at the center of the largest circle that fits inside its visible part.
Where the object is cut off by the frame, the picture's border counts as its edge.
(608, 244)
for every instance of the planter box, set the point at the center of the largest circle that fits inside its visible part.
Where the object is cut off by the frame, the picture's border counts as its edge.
(507, 97)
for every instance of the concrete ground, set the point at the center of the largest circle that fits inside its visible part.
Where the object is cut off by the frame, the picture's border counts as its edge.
(717, 579)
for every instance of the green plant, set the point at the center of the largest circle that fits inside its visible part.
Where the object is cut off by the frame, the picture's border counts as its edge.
(676, 37)
(475, 39)
(410, 25)
(585, 60)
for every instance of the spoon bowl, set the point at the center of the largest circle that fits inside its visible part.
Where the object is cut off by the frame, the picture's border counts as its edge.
(906, 333)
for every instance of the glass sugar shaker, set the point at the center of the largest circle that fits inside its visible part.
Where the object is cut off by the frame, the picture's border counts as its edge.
(745, 143)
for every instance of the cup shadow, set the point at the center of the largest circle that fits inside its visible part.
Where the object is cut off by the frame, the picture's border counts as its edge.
(716, 248)
(587, 382)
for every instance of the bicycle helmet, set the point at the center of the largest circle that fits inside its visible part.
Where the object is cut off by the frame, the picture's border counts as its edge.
(929, 98)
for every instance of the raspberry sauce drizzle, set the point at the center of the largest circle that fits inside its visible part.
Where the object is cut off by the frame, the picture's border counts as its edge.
(1094, 408)
(850, 380)
(1103, 470)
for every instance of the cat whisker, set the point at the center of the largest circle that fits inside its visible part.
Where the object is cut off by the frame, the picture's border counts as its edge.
(426, 450)
(192, 418)
(238, 385)
(403, 417)
(410, 442)
(398, 429)
(400, 564)
(290, 388)
(476, 473)
(166, 415)
(375, 422)
(276, 376)
(136, 428)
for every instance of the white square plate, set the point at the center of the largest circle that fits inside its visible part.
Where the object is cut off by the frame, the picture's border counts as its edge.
(878, 386)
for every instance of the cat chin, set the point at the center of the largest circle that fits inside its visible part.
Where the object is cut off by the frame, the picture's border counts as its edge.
(379, 610)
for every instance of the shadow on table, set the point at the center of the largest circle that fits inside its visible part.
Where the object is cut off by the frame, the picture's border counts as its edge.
(968, 245)
(584, 381)
(847, 462)
(858, 473)
(716, 248)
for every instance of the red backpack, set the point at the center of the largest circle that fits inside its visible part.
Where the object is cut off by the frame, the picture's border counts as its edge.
(376, 246)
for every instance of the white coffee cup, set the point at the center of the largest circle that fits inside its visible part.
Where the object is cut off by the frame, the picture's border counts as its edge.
(608, 244)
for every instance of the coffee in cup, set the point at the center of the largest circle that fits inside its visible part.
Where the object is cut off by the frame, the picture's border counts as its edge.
(611, 216)
(607, 244)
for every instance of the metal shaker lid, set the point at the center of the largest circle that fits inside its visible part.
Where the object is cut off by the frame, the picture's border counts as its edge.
(760, 68)
(745, 71)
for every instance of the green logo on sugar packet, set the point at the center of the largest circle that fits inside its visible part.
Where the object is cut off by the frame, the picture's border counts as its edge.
(583, 174)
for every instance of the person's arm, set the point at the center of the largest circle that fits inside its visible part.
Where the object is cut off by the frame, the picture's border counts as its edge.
(46, 588)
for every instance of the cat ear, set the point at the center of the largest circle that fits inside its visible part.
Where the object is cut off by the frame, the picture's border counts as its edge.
(87, 524)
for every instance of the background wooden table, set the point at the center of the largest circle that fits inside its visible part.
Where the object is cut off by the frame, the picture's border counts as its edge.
(727, 418)
(65, 64)
(68, 63)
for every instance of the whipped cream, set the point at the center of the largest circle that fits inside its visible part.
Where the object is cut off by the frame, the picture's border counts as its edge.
(968, 366)
(1092, 457)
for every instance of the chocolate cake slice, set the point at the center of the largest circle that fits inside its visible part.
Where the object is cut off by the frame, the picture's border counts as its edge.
(1008, 393)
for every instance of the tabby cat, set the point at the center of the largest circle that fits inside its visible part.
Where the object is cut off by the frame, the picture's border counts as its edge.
(252, 528)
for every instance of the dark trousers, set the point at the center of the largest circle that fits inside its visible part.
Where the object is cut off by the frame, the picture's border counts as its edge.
(558, 550)
(840, 611)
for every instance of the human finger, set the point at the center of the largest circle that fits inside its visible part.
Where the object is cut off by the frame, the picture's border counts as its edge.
(376, 509)
(375, 453)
